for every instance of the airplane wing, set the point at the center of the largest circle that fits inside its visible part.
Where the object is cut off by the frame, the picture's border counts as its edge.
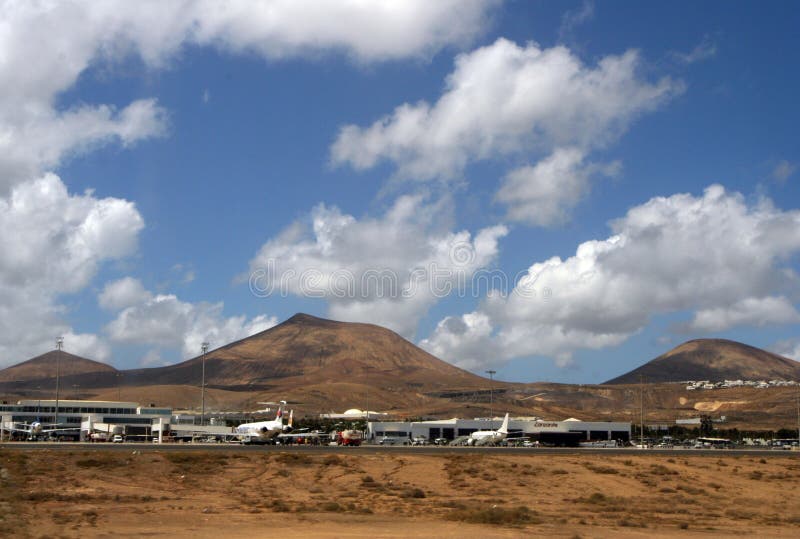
(33, 429)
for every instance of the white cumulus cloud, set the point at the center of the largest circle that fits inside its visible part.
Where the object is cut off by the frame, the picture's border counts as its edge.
(47, 45)
(509, 100)
(165, 321)
(716, 255)
(53, 243)
(544, 194)
(506, 99)
(387, 270)
(125, 292)
(766, 311)
(788, 348)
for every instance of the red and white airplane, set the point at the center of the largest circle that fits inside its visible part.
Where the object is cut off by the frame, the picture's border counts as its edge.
(263, 431)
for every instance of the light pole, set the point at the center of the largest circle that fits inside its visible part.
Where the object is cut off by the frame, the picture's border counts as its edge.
(59, 346)
(203, 387)
(491, 374)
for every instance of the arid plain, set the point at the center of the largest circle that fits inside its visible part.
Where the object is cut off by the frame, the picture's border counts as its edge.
(150, 492)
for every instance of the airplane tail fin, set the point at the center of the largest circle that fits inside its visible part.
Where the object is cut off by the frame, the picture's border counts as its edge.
(291, 417)
(279, 415)
(504, 427)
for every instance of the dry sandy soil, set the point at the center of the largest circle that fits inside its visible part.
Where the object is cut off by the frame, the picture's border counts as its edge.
(157, 493)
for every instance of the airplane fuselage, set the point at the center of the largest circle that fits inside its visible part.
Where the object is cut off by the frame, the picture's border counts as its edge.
(490, 436)
(263, 430)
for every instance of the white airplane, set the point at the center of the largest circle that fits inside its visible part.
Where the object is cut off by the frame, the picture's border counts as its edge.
(490, 436)
(263, 431)
(38, 429)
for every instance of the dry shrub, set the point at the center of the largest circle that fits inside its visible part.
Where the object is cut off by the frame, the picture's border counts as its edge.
(688, 489)
(201, 463)
(603, 503)
(602, 469)
(279, 506)
(660, 469)
(292, 459)
(452, 504)
(333, 460)
(630, 523)
(597, 497)
(331, 507)
(741, 514)
(413, 493)
(100, 461)
(497, 516)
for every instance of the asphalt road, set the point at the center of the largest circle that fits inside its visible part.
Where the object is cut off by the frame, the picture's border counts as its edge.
(395, 450)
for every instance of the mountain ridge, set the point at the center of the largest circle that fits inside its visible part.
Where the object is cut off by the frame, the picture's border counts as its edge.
(714, 360)
(44, 366)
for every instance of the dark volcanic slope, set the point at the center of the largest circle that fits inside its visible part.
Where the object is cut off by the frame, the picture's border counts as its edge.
(314, 350)
(44, 366)
(715, 360)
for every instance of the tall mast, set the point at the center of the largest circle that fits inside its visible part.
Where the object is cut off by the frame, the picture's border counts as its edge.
(59, 346)
(641, 411)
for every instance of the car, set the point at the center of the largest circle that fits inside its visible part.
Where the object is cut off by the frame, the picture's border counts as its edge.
(390, 440)
(117, 439)
(441, 441)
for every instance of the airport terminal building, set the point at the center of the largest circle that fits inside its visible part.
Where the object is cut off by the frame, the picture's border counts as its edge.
(570, 432)
(87, 417)
(80, 420)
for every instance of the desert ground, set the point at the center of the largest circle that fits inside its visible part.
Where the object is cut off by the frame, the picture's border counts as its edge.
(151, 492)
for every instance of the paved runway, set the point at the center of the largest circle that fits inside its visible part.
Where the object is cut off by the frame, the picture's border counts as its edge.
(394, 450)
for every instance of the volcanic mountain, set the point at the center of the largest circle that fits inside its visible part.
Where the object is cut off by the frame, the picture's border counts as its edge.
(309, 350)
(714, 360)
(45, 366)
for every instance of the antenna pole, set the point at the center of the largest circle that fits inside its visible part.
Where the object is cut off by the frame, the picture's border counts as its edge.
(59, 346)
(203, 387)
(641, 412)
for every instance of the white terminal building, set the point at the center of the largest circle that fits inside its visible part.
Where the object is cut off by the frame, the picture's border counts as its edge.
(569, 432)
(87, 417)
(80, 420)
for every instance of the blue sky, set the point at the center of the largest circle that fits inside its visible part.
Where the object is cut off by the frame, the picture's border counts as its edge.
(630, 168)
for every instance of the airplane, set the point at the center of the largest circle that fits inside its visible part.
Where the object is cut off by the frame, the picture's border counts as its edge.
(263, 431)
(481, 437)
(37, 429)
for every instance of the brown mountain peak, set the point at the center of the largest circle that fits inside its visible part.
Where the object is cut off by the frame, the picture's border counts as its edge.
(714, 360)
(306, 350)
(310, 321)
(45, 365)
